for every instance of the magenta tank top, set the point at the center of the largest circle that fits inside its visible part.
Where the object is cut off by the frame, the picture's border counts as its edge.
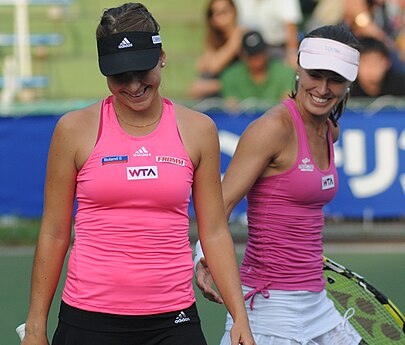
(285, 217)
(131, 254)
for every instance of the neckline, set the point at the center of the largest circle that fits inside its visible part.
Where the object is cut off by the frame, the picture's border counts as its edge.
(298, 120)
(114, 119)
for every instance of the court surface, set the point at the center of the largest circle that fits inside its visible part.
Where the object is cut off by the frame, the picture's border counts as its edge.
(381, 264)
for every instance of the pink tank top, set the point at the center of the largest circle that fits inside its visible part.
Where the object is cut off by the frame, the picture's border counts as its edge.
(285, 217)
(131, 254)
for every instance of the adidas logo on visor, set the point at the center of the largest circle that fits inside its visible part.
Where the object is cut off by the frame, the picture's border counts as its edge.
(125, 43)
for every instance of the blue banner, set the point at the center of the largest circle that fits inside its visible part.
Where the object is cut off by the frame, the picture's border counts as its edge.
(24, 143)
(370, 157)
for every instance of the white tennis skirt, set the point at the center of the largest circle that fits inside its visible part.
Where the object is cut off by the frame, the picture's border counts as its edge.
(296, 317)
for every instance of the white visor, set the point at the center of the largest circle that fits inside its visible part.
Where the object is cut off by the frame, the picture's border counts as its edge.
(323, 53)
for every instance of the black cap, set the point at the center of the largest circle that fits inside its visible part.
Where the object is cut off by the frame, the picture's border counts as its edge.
(253, 43)
(128, 52)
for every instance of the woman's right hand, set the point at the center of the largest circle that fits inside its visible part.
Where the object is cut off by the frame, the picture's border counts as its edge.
(205, 282)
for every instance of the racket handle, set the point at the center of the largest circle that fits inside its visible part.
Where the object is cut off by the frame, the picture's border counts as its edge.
(21, 331)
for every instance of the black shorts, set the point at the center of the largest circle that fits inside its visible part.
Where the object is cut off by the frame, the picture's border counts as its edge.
(79, 327)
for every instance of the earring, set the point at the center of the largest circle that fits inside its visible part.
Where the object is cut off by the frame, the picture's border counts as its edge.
(163, 64)
(297, 77)
(348, 90)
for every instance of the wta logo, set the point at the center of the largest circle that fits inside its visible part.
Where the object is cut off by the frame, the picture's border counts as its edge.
(142, 173)
(328, 182)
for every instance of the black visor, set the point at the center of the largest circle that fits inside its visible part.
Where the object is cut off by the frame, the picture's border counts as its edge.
(128, 51)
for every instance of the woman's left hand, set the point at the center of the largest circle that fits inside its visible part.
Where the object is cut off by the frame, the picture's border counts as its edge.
(205, 282)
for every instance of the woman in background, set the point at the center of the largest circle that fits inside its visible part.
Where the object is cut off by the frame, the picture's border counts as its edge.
(222, 47)
(284, 164)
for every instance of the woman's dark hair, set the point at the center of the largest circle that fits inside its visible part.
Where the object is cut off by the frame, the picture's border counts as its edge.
(339, 33)
(216, 38)
(129, 17)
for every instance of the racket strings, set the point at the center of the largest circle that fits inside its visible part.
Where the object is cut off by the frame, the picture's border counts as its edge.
(372, 319)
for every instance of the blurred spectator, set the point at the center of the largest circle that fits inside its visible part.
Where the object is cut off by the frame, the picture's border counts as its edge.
(308, 6)
(376, 77)
(368, 18)
(378, 19)
(326, 12)
(256, 76)
(381, 19)
(277, 21)
(396, 10)
(222, 47)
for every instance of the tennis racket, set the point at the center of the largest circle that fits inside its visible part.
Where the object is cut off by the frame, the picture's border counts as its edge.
(376, 318)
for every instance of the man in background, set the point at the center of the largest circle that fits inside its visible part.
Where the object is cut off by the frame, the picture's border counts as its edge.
(256, 75)
(377, 77)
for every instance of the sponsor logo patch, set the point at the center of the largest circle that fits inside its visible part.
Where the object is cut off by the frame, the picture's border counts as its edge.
(114, 160)
(306, 165)
(328, 182)
(171, 160)
(142, 173)
(142, 152)
(182, 317)
(156, 39)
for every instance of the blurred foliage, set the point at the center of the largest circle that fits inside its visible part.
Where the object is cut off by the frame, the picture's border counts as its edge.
(15, 231)
(72, 67)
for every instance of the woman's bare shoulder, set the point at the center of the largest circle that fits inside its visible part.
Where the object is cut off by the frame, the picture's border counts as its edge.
(81, 119)
(193, 119)
(274, 122)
